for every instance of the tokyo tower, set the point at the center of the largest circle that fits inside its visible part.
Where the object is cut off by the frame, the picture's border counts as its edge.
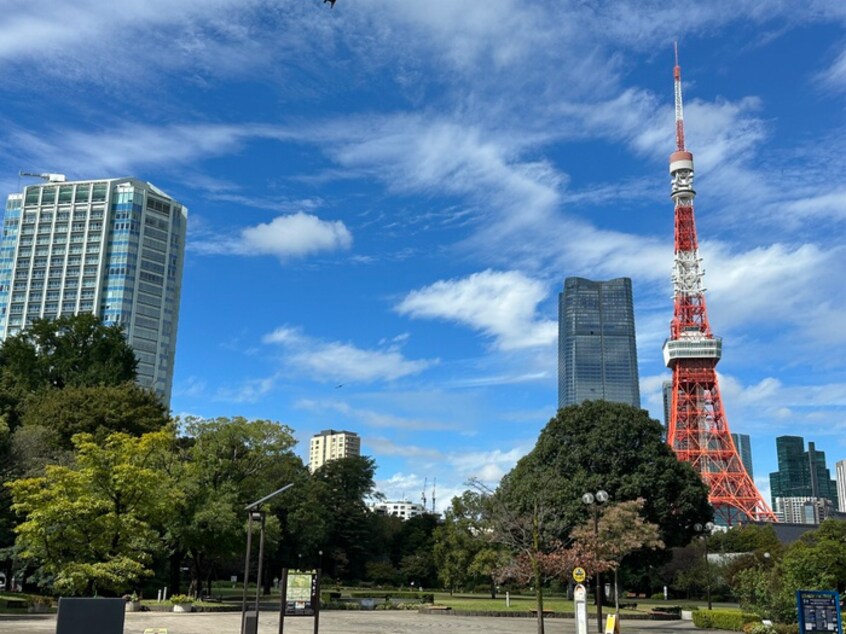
(698, 431)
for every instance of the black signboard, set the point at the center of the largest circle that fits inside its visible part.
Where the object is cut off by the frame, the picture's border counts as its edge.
(819, 612)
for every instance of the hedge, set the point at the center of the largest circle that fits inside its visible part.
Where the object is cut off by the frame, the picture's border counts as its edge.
(723, 619)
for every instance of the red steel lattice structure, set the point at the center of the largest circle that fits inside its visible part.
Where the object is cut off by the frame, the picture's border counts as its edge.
(698, 430)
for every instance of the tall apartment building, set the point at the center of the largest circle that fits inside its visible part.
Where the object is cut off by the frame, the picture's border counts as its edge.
(743, 444)
(801, 474)
(332, 445)
(111, 247)
(597, 352)
(840, 468)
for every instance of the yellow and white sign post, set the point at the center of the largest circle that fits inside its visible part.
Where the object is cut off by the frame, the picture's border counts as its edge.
(580, 599)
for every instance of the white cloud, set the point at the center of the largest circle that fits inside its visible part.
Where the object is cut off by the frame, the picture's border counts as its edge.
(295, 235)
(338, 361)
(500, 304)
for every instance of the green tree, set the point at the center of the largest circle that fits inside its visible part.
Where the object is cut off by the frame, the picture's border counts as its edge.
(615, 447)
(331, 515)
(817, 561)
(90, 525)
(96, 409)
(461, 550)
(70, 350)
(226, 464)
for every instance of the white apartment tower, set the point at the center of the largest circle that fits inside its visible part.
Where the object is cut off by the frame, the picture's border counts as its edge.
(111, 247)
(332, 445)
(841, 485)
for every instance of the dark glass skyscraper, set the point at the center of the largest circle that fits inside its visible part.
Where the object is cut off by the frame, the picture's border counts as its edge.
(744, 447)
(597, 355)
(801, 473)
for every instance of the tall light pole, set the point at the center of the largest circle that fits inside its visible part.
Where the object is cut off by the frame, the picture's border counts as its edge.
(249, 622)
(593, 501)
(706, 533)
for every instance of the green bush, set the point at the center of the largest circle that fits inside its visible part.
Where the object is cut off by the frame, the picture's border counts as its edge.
(786, 628)
(723, 619)
(658, 596)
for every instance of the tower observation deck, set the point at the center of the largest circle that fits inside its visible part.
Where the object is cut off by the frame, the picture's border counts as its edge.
(698, 430)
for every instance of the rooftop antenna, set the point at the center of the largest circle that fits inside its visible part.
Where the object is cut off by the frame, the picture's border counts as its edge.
(51, 178)
(678, 100)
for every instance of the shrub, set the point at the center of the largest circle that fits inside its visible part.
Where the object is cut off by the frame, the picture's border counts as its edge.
(724, 619)
(786, 628)
(181, 598)
(658, 596)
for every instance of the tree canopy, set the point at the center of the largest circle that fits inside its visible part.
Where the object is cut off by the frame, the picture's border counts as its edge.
(91, 525)
(612, 447)
(70, 350)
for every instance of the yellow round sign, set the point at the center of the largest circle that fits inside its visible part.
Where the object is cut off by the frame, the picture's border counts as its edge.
(579, 575)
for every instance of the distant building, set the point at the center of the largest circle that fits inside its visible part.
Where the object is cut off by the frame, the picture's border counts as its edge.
(113, 247)
(743, 444)
(841, 485)
(332, 445)
(667, 397)
(402, 509)
(802, 475)
(597, 352)
(803, 510)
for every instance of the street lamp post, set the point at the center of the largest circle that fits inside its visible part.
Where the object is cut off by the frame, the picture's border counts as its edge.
(594, 500)
(249, 624)
(706, 533)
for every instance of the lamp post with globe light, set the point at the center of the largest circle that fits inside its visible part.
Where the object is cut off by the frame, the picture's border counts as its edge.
(706, 531)
(594, 500)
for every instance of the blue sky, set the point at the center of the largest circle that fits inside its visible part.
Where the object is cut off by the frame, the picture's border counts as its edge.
(386, 196)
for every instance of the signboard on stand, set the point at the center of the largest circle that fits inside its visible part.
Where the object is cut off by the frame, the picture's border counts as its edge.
(300, 592)
(819, 612)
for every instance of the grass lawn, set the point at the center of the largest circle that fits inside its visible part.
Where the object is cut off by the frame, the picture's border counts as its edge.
(523, 603)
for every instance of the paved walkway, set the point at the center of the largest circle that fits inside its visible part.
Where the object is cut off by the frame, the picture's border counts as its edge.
(339, 622)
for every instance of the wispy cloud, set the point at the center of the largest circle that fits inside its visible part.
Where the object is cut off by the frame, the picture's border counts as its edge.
(500, 304)
(340, 361)
(373, 418)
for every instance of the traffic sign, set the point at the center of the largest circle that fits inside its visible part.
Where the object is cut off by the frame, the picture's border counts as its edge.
(579, 575)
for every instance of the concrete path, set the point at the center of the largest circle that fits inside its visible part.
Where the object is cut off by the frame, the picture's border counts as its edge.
(339, 622)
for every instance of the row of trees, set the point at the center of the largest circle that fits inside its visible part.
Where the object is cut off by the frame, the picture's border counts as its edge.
(105, 492)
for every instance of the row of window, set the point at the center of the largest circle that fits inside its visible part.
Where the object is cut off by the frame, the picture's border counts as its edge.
(83, 193)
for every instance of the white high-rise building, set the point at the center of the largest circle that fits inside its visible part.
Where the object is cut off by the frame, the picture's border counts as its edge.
(332, 445)
(841, 485)
(112, 247)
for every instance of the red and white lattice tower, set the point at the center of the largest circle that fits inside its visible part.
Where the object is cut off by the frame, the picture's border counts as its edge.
(698, 431)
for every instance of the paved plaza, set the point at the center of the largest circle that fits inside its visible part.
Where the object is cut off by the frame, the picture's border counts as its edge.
(339, 622)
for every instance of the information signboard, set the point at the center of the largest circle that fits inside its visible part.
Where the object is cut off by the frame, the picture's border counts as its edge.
(300, 593)
(819, 612)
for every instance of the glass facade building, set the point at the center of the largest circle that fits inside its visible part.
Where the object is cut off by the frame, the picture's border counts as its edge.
(112, 247)
(801, 474)
(743, 444)
(597, 352)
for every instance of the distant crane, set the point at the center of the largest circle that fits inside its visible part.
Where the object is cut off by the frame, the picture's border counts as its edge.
(434, 484)
(425, 482)
(51, 178)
